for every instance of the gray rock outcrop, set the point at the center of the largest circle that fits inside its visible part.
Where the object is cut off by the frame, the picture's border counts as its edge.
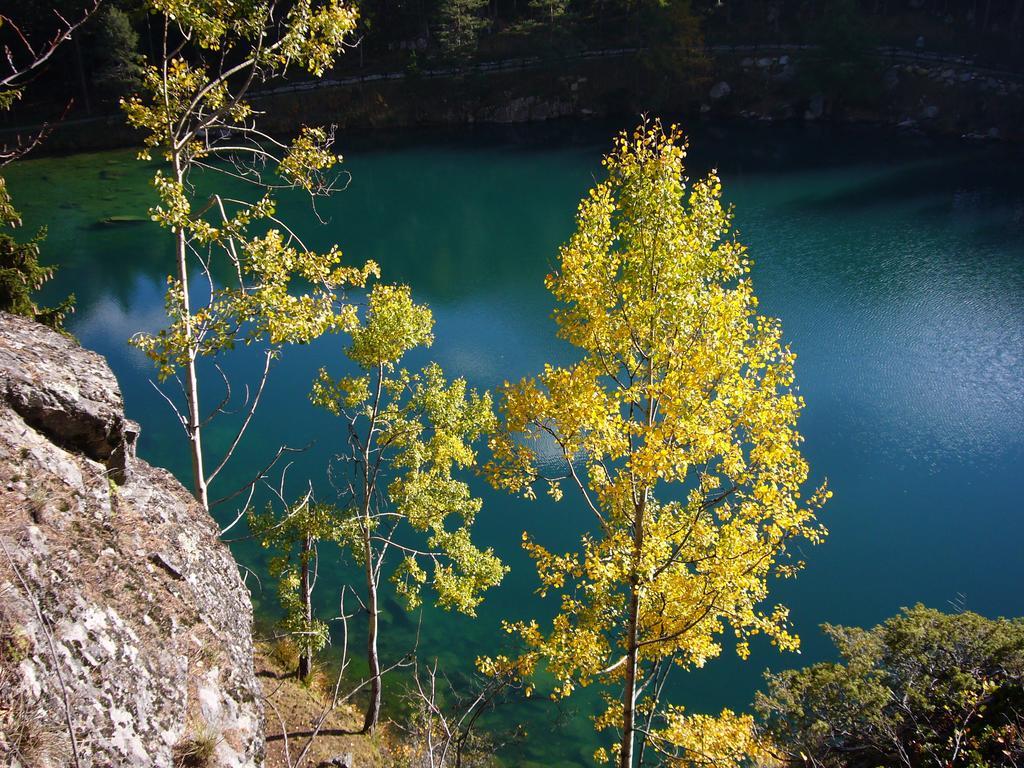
(125, 629)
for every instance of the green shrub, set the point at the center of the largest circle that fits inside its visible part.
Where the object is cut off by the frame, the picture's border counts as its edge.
(923, 688)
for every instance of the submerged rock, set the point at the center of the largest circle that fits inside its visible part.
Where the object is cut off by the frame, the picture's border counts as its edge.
(121, 610)
(720, 90)
(815, 108)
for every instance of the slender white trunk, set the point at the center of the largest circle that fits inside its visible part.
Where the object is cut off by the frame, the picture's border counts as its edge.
(372, 609)
(633, 626)
(632, 649)
(373, 707)
(191, 384)
(305, 650)
(629, 689)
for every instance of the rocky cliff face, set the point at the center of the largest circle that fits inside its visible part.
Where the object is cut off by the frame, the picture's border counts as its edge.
(125, 629)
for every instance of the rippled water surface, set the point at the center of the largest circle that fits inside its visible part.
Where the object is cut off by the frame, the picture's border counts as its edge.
(896, 265)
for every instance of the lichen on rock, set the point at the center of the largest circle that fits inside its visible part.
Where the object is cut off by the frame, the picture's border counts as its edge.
(119, 607)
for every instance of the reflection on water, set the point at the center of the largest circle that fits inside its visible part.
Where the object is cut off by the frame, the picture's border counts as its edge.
(897, 269)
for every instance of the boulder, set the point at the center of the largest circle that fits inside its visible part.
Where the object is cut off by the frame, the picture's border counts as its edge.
(125, 628)
(720, 90)
(815, 108)
(65, 393)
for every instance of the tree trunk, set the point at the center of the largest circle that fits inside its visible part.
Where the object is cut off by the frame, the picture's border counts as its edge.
(83, 83)
(373, 706)
(191, 382)
(372, 610)
(305, 650)
(629, 689)
(632, 643)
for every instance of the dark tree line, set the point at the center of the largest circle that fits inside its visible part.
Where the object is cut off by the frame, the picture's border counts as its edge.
(97, 63)
(100, 63)
(27, 45)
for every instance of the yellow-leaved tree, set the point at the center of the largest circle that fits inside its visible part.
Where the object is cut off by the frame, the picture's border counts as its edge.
(676, 430)
(407, 435)
(258, 282)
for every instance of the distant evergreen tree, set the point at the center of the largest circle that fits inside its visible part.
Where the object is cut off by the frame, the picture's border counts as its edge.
(24, 57)
(21, 273)
(461, 24)
(848, 72)
(118, 64)
(549, 11)
(671, 34)
(551, 16)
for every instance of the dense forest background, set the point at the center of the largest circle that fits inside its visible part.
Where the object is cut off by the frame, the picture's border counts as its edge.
(673, 37)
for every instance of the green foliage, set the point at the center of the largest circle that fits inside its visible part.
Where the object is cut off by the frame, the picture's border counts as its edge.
(118, 65)
(294, 537)
(408, 434)
(549, 11)
(923, 688)
(461, 22)
(412, 431)
(262, 305)
(842, 29)
(197, 749)
(848, 71)
(21, 275)
(186, 102)
(195, 113)
(8, 97)
(674, 41)
(677, 428)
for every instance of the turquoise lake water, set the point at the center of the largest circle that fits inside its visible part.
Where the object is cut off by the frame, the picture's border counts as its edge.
(896, 265)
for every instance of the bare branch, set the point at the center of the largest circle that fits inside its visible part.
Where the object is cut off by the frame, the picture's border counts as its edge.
(20, 74)
(261, 474)
(181, 419)
(53, 650)
(268, 356)
(17, 75)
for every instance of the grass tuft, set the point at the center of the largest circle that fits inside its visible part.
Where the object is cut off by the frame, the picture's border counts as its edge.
(197, 749)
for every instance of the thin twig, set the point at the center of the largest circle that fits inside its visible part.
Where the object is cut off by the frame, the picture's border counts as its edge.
(53, 651)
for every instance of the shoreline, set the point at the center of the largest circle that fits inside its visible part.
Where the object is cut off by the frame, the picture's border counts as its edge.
(915, 95)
